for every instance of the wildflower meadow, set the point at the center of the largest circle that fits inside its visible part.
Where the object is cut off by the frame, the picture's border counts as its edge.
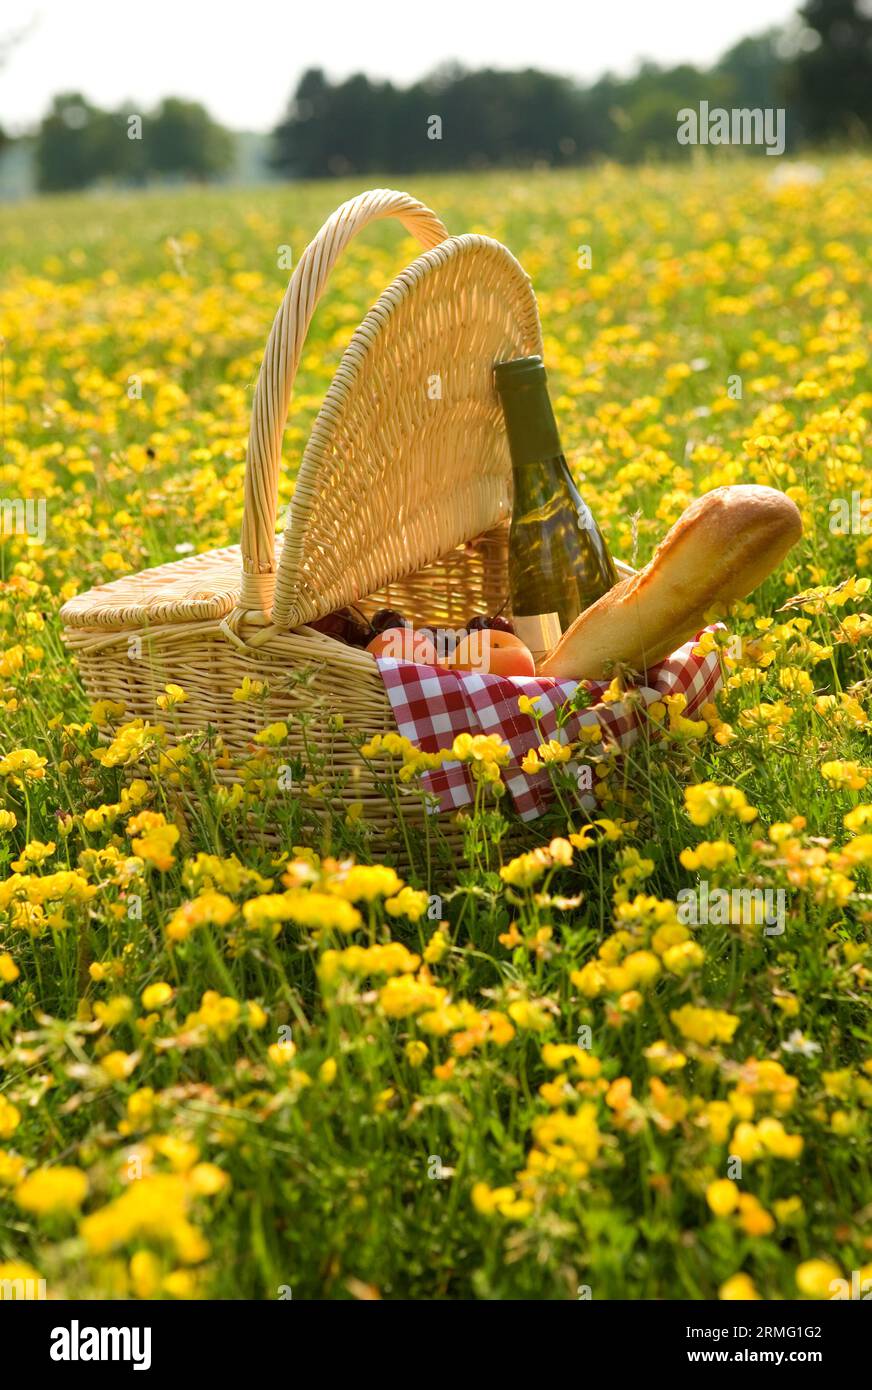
(624, 1053)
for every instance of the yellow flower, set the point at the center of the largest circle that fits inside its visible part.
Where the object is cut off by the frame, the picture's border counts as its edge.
(384, 1100)
(814, 1277)
(679, 724)
(709, 854)
(408, 903)
(153, 839)
(8, 820)
(704, 1026)
(643, 967)
(114, 1011)
(436, 948)
(10, 1117)
(502, 1201)
(327, 1071)
(404, 996)
(140, 1107)
(153, 1207)
(9, 971)
(528, 1014)
(36, 852)
(722, 1196)
(119, 1065)
(16, 1273)
(738, 1288)
(366, 882)
(480, 748)
(707, 800)
(105, 712)
(209, 907)
(180, 1283)
(156, 995)
(526, 869)
(257, 1017)
(272, 735)
(859, 817)
(416, 1052)
(777, 1141)
(50, 1190)
(753, 1218)
(684, 957)
(131, 743)
(555, 752)
(23, 763)
(845, 774)
(531, 763)
(145, 1274)
(599, 830)
(207, 1179)
(174, 695)
(250, 690)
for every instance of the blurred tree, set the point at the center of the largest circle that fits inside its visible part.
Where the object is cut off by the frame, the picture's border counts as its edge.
(68, 144)
(754, 68)
(831, 80)
(78, 144)
(339, 129)
(484, 117)
(182, 138)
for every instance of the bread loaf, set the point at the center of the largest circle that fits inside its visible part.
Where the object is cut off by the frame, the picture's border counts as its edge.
(722, 546)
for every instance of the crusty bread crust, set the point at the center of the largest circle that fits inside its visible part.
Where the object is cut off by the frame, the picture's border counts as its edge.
(722, 546)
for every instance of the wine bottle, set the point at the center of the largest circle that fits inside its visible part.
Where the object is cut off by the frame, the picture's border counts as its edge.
(559, 562)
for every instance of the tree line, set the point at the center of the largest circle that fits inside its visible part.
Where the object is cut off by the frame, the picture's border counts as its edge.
(78, 144)
(819, 69)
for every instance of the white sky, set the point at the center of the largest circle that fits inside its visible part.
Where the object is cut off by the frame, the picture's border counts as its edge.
(242, 58)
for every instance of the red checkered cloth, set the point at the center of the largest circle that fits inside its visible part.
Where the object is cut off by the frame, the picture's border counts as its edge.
(432, 706)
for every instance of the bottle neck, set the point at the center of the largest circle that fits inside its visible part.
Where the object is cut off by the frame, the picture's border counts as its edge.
(530, 425)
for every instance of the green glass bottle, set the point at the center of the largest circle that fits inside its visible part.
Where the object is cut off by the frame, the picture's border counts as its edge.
(558, 559)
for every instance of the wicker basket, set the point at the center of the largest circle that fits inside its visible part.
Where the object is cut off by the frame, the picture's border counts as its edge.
(402, 500)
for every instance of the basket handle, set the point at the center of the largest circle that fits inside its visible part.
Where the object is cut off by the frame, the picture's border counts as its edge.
(275, 380)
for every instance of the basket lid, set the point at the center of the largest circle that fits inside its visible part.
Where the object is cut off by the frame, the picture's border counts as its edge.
(199, 588)
(408, 456)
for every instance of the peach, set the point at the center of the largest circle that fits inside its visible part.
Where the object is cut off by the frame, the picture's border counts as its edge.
(404, 644)
(493, 652)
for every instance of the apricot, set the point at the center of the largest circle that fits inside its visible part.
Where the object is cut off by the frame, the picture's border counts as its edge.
(492, 652)
(404, 644)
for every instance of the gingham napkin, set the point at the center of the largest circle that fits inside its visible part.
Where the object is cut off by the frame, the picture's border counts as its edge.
(432, 706)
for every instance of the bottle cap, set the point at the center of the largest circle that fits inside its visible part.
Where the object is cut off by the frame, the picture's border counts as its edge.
(539, 631)
(520, 371)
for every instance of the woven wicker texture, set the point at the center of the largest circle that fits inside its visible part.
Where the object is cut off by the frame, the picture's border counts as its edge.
(411, 424)
(184, 591)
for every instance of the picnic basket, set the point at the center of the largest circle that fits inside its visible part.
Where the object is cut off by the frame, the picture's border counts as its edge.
(402, 499)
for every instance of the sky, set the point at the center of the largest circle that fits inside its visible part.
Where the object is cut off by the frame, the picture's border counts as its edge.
(243, 60)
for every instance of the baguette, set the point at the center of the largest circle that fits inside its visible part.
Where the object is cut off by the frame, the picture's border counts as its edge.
(722, 546)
